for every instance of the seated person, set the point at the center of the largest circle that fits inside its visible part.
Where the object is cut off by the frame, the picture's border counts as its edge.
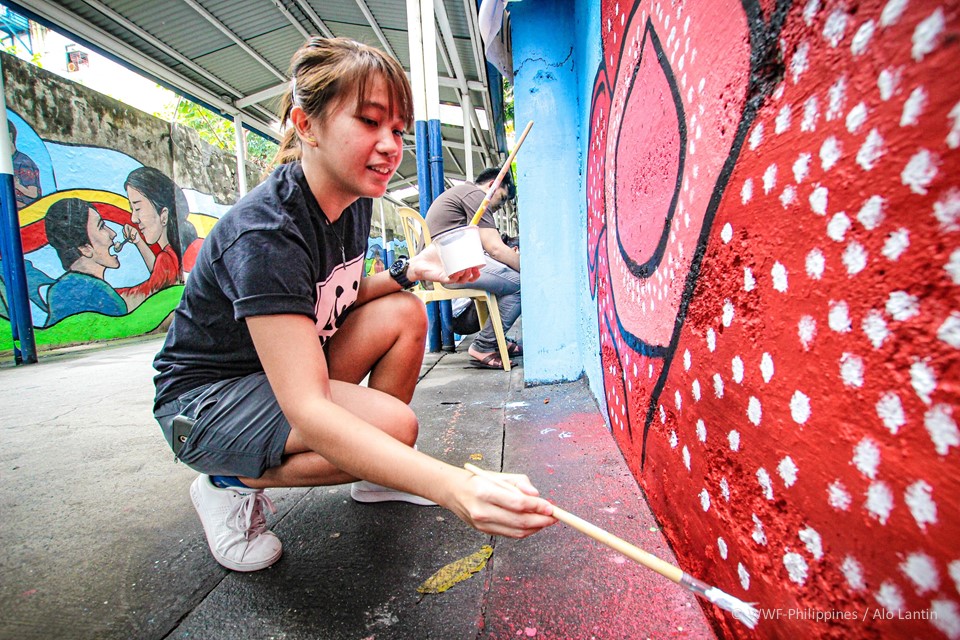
(500, 276)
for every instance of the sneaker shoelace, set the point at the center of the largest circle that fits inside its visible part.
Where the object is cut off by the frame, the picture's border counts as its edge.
(247, 517)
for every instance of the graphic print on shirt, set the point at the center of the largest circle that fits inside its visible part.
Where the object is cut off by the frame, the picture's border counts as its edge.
(337, 294)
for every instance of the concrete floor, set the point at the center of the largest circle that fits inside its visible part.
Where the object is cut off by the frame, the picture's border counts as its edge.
(101, 541)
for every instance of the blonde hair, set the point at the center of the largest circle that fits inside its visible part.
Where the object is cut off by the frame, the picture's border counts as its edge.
(324, 70)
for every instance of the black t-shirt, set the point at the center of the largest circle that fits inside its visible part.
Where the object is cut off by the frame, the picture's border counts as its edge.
(274, 252)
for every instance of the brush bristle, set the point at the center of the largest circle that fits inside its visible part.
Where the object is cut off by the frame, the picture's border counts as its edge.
(745, 612)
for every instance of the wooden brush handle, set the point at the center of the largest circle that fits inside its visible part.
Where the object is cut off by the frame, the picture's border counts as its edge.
(503, 171)
(620, 545)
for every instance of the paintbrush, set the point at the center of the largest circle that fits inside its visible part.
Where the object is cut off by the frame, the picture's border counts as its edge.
(503, 171)
(745, 612)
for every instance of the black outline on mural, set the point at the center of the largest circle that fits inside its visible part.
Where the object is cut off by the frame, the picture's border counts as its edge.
(766, 70)
(648, 268)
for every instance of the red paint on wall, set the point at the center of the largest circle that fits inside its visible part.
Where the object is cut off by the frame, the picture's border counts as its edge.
(773, 220)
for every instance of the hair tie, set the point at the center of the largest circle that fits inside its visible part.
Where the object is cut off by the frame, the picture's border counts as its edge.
(293, 92)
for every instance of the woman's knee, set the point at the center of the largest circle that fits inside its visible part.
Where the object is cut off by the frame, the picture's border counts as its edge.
(411, 313)
(407, 426)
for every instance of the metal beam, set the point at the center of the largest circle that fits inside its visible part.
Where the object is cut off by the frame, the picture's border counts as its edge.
(453, 83)
(173, 53)
(212, 19)
(479, 55)
(454, 158)
(451, 46)
(259, 96)
(289, 16)
(99, 40)
(320, 24)
(376, 28)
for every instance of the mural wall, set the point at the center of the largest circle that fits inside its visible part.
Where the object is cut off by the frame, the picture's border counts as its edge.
(108, 235)
(773, 213)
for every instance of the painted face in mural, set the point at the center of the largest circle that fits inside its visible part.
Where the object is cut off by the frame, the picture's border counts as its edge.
(151, 223)
(357, 150)
(101, 241)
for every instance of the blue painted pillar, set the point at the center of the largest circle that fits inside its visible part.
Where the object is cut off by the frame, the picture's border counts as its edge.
(552, 236)
(418, 83)
(11, 248)
(436, 188)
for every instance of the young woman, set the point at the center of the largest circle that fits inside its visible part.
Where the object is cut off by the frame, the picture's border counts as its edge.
(245, 386)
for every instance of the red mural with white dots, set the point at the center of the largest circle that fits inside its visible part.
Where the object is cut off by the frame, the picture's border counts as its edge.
(773, 194)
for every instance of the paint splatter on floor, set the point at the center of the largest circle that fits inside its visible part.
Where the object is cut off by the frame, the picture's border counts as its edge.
(456, 571)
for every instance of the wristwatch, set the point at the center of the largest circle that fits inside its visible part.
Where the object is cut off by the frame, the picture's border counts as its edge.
(398, 271)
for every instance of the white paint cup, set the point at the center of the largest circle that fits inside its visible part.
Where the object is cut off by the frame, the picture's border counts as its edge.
(460, 249)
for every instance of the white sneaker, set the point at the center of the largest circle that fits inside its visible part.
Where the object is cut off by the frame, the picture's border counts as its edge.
(235, 526)
(363, 491)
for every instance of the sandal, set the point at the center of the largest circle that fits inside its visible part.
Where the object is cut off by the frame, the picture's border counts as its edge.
(489, 361)
(515, 349)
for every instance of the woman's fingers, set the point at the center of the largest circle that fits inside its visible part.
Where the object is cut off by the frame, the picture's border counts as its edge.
(501, 510)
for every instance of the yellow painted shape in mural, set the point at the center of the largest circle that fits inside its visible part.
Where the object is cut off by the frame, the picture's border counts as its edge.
(457, 571)
(37, 210)
(203, 223)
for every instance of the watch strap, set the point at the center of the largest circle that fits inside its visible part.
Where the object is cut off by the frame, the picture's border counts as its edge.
(398, 271)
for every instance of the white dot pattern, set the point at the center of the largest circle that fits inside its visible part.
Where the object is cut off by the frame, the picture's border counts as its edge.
(842, 213)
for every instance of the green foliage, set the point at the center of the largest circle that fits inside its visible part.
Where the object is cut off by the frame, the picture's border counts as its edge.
(14, 50)
(218, 131)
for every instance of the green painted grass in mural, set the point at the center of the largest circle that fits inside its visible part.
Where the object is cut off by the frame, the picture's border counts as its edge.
(95, 327)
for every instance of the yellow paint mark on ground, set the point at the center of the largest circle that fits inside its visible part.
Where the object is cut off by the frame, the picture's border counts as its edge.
(476, 456)
(457, 571)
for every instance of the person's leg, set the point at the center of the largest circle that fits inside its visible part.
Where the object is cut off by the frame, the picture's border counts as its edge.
(503, 282)
(241, 431)
(384, 338)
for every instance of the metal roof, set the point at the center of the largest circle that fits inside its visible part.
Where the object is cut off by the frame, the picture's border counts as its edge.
(233, 55)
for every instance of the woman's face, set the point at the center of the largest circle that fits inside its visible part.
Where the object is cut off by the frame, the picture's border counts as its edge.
(152, 224)
(101, 240)
(359, 149)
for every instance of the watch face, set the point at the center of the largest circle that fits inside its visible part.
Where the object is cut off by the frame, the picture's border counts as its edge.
(398, 267)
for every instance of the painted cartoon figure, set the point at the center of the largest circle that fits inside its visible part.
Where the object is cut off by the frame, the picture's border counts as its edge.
(84, 245)
(26, 175)
(158, 211)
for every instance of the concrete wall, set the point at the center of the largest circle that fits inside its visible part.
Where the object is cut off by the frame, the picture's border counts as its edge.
(769, 204)
(551, 212)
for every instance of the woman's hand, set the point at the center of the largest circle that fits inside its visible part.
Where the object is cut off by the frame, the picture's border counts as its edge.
(132, 234)
(493, 509)
(426, 265)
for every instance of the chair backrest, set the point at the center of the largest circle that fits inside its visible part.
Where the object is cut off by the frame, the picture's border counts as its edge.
(414, 230)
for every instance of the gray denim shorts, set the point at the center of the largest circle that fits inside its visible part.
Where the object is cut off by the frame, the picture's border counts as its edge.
(239, 429)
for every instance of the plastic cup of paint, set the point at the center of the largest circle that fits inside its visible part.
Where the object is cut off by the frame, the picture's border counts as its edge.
(460, 249)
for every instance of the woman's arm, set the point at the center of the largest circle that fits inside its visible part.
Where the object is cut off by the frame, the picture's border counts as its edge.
(425, 265)
(294, 362)
(132, 234)
(494, 246)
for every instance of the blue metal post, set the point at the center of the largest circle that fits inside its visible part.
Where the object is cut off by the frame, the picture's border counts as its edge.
(418, 79)
(426, 199)
(11, 246)
(436, 188)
